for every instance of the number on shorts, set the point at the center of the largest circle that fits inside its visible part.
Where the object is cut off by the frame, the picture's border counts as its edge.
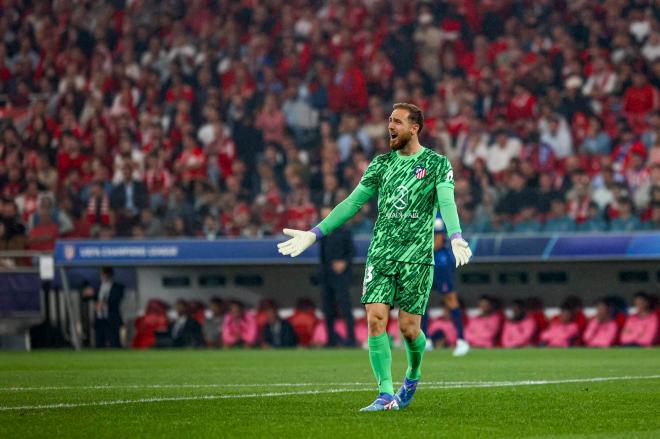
(369, 275)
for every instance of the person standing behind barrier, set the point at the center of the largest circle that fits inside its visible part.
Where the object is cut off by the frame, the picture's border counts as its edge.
(108, 316)
(443, 282)
(337, 251)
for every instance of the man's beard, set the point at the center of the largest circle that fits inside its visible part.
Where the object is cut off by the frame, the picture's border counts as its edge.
(400, 141)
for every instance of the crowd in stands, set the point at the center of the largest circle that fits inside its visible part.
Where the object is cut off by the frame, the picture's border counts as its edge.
(230, 324)
(216, 118)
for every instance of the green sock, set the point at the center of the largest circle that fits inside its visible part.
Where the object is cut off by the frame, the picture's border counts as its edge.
(380, 356)
(415, 351)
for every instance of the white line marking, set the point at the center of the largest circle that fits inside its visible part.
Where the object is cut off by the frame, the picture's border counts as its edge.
(170, 386)
(430, 385)
(448, 384)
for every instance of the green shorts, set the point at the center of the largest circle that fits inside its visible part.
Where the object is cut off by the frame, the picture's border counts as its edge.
(409, 285)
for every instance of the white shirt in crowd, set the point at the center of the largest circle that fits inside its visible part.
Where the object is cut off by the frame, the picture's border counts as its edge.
(499, 156)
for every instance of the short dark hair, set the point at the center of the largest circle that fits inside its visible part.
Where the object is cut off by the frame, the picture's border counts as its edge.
(415, 114)
(108, 271)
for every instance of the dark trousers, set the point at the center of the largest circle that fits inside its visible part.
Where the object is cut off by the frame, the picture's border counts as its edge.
(335, 294)
(107, 333)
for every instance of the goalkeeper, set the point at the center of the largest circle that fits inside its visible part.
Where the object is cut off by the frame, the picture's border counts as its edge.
(412, 182)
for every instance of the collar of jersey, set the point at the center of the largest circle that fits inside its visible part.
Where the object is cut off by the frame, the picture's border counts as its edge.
(410, 157)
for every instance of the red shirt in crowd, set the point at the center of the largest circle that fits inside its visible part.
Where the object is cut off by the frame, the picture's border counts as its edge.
(46, 234)
(640, 100)
(348, 91)
(67, 162)
(192, 163)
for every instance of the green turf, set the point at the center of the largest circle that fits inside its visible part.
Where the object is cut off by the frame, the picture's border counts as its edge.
(625, 408)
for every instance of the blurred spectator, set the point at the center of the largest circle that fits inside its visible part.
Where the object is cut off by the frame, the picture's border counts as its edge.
(563, 331)
(647, 191)
(641, 328)
(528, 221)
(185, 330)
(214, 324)
(556, 133)
(441, 330)
(153, 226)
(239, 327)
(596, 141)
(546, 193)
(483, 330)
(640, 99)
(150, 325)
(336, 260)
(557, 220)
(211, 228)
(7, 243)
(321, 339)
(270, 120)
(602, 330)
(520, 330)
(184, 109)
(304, 321)
(594, 221)
(43, 234)
(277, 332)
(517, 197)
(129, 195)
(627, 220)
(107, 302)
(501, 152)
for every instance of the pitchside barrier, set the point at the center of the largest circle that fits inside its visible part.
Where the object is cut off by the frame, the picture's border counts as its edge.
(509, 266)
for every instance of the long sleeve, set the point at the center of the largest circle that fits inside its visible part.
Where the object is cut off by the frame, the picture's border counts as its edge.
(444, 189)
(445, 193)
(346, 209)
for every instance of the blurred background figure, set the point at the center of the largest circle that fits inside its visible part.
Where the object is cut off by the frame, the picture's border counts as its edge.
(519, 331)
(564, 330)
(441, 330)
(641, 328)
(443, 283)
(214, 323)
(336, 253)
(239, 327)
(185, 330)
(602, 330)
(304, 320)
(484, 329)
(107, 314)
(277, 332)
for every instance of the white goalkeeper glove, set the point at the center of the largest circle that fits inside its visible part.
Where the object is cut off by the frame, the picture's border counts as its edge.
(299, 242)
(461, 250)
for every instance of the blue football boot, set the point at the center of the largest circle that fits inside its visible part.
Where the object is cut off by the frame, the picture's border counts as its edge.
(384, 401)
(405, 394)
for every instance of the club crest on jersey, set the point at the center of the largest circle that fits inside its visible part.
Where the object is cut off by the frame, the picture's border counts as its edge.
(420, 172)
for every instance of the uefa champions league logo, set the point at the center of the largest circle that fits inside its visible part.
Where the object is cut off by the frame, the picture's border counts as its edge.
(69, 252)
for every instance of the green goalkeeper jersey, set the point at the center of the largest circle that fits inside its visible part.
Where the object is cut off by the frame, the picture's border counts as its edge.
(410, 190)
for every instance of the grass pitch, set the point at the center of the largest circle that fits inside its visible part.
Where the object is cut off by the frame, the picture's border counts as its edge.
(317, 393)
